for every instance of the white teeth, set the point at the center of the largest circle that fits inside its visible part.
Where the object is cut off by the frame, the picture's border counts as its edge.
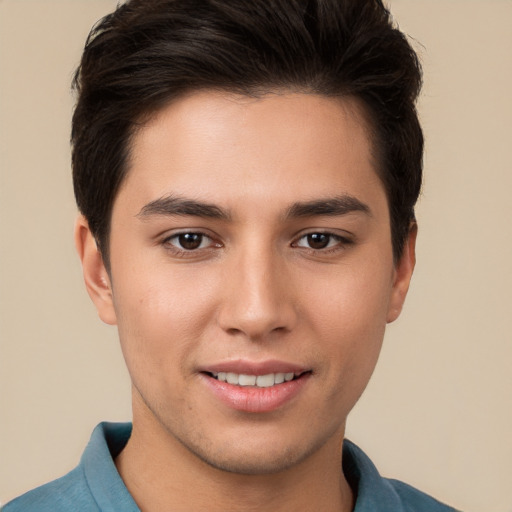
(232, 378)
(278, 378)
(261, 381)
(265, 381)
(247, 380)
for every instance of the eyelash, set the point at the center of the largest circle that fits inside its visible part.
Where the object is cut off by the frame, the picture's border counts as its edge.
(341, 243)
(182, 252)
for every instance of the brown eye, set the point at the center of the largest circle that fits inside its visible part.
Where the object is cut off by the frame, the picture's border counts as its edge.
(190, 241)
(318, 240)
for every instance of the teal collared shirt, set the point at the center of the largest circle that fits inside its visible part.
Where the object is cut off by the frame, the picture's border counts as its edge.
(95, 485)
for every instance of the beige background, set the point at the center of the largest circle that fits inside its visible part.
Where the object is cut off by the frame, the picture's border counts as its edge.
(438, 412)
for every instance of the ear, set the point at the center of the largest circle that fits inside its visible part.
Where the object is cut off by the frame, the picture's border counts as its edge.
(402, 275)
(96, 277)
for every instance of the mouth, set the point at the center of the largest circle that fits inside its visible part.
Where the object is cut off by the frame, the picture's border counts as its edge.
(256, 392)
(258, 381)
(256, 387)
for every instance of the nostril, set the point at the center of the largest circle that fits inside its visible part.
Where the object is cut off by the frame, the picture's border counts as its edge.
(233, 331)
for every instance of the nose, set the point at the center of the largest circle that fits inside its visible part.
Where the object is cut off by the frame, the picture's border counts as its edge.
(258, 296)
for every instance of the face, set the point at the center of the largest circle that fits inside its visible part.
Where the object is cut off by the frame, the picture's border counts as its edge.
(252, 275)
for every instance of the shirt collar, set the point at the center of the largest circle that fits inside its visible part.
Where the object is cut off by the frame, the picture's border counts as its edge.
(372, 491)
(105, 483)
(108, 439)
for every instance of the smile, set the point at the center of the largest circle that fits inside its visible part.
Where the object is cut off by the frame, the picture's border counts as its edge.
(253, 393)
(260, 381)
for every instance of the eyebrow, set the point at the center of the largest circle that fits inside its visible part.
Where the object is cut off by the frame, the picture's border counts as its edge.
(331, 206)
(175, 205)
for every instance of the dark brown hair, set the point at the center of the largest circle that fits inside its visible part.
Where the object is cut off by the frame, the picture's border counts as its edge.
(149, 52)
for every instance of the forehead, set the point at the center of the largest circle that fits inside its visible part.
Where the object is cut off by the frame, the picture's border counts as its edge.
(222, 146)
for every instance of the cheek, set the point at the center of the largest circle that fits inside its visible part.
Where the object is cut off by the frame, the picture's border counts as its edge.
(351, 311)
(353, 298)
(160, 316)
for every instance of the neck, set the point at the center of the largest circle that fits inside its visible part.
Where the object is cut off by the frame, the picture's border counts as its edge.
(161, 474)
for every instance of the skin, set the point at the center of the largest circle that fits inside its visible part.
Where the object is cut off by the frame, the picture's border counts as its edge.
(254, 290)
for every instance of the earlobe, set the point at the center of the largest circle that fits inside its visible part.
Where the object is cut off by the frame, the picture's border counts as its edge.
(96, 278)
(403, 273)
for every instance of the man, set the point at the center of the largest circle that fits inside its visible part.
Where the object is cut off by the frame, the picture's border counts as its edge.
(246, 173)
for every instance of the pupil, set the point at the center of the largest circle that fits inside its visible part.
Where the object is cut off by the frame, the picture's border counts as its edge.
(318, 240)
(190, 240)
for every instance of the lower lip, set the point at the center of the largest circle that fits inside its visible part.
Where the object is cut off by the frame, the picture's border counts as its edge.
(254, 399)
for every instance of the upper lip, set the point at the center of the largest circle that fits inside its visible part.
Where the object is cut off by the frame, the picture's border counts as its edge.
(245, 367)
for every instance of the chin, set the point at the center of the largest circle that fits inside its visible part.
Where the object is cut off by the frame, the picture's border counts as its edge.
(251, 464)
(244, 458)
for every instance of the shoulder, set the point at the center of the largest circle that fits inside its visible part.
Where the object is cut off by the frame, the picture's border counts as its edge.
(375, 493)
(69, 492)
(414, 500)
(93, 486)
